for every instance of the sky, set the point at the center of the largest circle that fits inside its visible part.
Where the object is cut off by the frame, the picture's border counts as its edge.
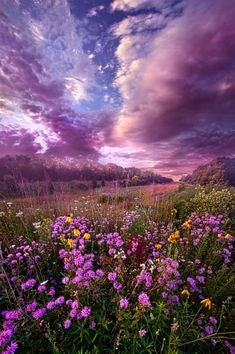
(145, 83)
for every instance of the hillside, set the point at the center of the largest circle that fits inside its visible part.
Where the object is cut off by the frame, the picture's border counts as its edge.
(218, 171)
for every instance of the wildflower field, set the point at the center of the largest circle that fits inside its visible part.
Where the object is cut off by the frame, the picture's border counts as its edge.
(112, 278)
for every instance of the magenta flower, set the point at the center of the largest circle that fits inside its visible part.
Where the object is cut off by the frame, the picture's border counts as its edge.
(11, 348)
(117, 286)
(31, 307)
(5, 336)
(12, 315)
(65, 280)
(142, 332)
(144, 300)
(112, 276)
(99, 272)
(51, 305)
(51, 292)
(123, 303)
(39, 313)
(59, 300)
(93, 324)
(73, 313)
(28, 284)
(85, 311)
(41, 288)
(67, 324)
(213, 320)
(209, 330)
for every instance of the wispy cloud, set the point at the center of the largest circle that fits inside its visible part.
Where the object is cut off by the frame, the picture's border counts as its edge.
(134, 5)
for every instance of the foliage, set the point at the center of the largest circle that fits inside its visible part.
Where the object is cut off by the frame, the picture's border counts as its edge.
(215, 201)
(220, 171)
(133, 284)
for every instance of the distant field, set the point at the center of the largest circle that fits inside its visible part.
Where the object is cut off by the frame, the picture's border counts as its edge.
(64, 203)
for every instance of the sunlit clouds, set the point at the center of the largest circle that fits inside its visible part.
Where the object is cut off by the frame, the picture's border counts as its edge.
(138, 82)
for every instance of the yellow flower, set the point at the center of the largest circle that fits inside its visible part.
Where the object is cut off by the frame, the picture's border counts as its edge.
(70, 242)
(187, 224)
(173, 211)
(227, 236)
(69, 219)
(173, 238)
(207, 303)
(76, 232)
(157, 260)
(62, 238)
(65, 259)
(158, 246)
(185, 292)
(219, 235)
(87, 236)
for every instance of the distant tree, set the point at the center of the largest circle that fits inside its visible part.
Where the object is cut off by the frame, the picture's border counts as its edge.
(12, 187)
(94, 184)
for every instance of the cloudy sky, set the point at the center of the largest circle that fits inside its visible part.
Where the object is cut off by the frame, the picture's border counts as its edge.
(146, 83)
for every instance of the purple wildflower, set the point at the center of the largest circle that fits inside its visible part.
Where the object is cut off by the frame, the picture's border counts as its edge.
(117, 286)
(142, 332)
(209, 329)
(12, 315)
(31, 307)
(51, 292)
(144, 300)
(67, 324)
(85, 311)
(213, 320)
(123, 303)
(39, 313)
(51, 305)
(59, 300)
(112, 276)
(29, 283)
(93, 324)
(65, 280)
(73, 313)
(41, 288)
(11, 348)
(5, 336)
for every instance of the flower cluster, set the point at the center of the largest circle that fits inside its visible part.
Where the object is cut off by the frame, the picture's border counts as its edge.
(94, 276)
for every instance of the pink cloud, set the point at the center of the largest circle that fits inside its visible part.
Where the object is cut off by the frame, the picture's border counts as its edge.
(185, 85)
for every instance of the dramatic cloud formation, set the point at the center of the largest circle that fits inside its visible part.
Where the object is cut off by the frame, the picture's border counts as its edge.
(44, 71)
(149, 83)
(181, 93)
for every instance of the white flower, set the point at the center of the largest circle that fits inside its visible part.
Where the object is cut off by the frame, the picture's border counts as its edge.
(37, 225)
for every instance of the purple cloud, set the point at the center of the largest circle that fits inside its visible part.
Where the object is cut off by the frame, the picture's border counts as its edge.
(42, 89)
(185, 86)
(18, 142)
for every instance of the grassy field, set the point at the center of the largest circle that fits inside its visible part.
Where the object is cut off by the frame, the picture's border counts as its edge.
(119, 270)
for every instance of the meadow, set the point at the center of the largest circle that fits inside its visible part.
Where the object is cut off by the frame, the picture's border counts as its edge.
(123, 270)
